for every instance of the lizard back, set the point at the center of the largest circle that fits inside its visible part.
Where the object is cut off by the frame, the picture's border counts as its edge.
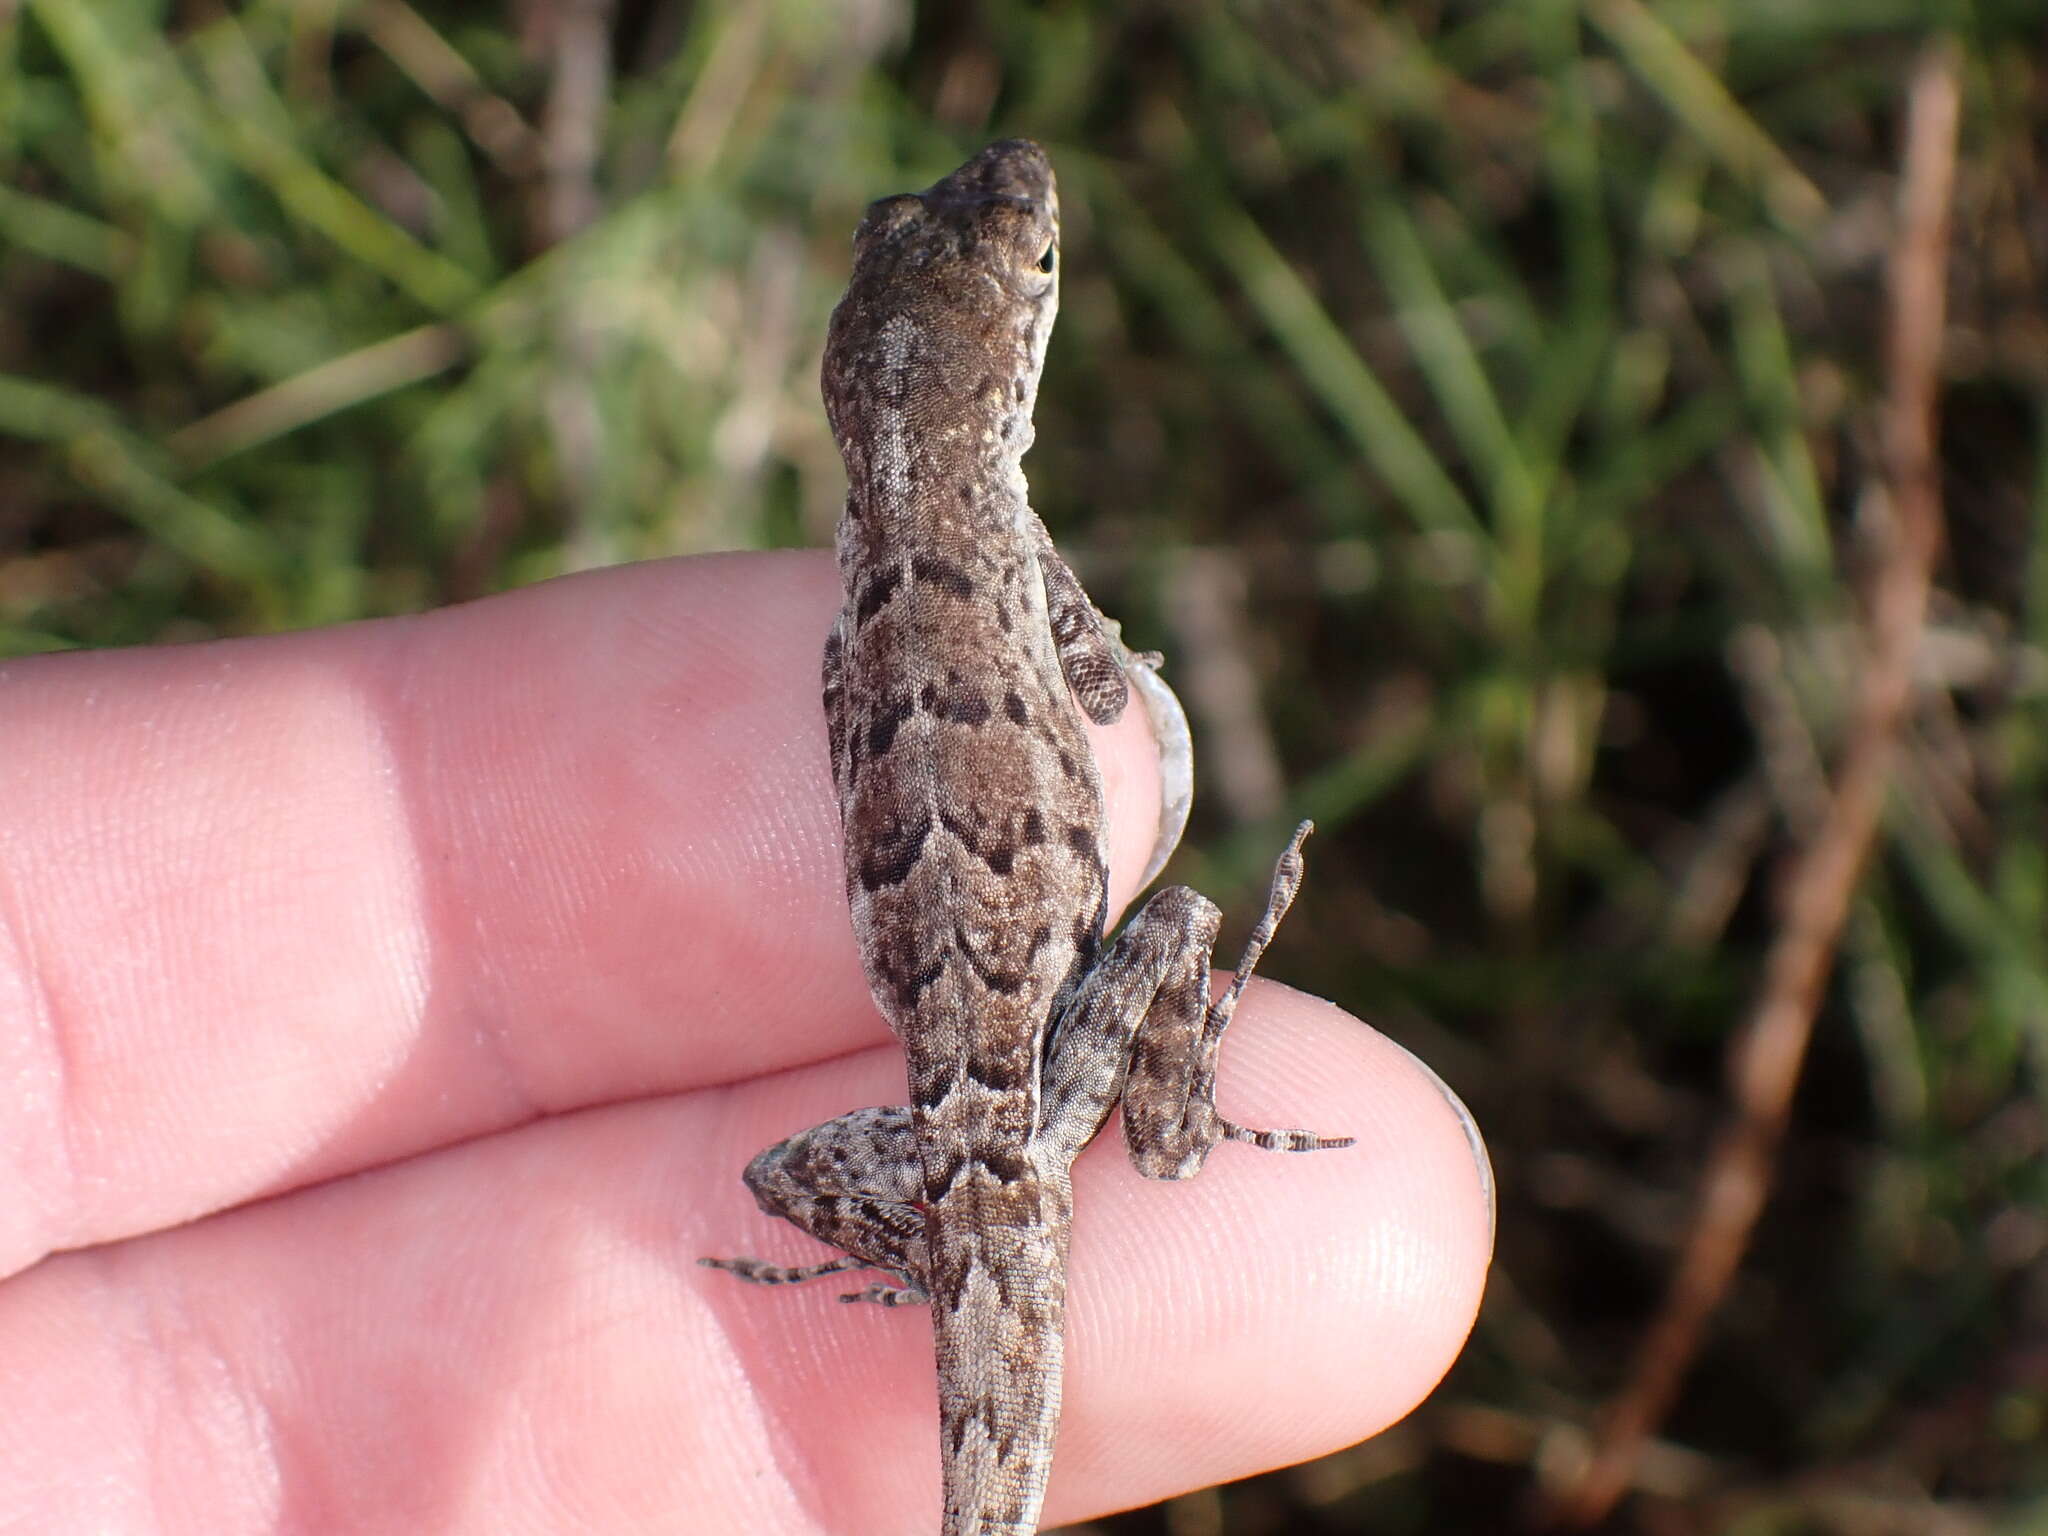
(957, 674)
(972, 810)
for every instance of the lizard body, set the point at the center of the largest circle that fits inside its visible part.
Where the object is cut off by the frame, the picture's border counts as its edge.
(955, 679)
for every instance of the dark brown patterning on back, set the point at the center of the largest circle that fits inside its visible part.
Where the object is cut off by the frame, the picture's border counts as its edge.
(967, 784)
(955, 679)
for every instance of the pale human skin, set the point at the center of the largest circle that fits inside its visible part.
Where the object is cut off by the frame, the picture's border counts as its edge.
(528, 915)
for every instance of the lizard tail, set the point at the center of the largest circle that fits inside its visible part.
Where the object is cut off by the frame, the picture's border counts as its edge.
(999, 1298)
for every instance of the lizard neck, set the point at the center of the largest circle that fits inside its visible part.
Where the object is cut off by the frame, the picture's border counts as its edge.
(934, 428)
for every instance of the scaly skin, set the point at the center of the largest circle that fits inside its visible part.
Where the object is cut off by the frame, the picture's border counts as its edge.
(956, 677)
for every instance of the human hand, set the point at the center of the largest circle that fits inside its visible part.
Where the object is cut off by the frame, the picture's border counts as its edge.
(388, 1011)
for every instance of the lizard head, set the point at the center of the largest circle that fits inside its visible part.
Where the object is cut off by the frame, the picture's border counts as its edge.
(945, 319)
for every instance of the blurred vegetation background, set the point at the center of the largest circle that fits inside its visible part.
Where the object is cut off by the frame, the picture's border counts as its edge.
(1478, 402)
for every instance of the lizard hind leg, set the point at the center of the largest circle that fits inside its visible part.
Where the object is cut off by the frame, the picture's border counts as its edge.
(1287, 873)
(761, 1272)
(1142, 1029)
(900, 1290)
(854, 1183)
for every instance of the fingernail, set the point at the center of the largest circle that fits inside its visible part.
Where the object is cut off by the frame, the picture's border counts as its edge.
(1169, 724)
(1474, 1142)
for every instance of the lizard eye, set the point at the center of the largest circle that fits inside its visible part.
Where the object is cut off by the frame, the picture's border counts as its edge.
(1046, 258)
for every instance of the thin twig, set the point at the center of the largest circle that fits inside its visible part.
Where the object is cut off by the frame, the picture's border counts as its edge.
(427, 59)
(1205, 608)
(572, 137)
(572, 126)
(320, 391)
(1766, 1059)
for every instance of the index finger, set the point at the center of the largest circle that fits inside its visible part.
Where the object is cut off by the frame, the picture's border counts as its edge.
(275, 910)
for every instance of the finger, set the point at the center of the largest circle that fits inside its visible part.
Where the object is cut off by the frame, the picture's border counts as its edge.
(1279, 1306)
(510, 1334)
(1274, 1308)
(280, 909)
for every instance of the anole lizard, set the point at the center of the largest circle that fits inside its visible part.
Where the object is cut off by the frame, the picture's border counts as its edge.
(955, 680)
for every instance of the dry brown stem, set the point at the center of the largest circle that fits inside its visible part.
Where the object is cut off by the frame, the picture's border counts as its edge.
(1766, 1058)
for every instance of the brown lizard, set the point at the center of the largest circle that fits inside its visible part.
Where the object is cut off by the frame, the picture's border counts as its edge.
(955, 679)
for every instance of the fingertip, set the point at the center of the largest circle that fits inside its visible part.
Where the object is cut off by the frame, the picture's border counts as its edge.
(1281, 1305)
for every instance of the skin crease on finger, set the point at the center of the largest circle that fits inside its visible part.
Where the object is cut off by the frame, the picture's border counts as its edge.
(507, 1333)
(275, 910)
